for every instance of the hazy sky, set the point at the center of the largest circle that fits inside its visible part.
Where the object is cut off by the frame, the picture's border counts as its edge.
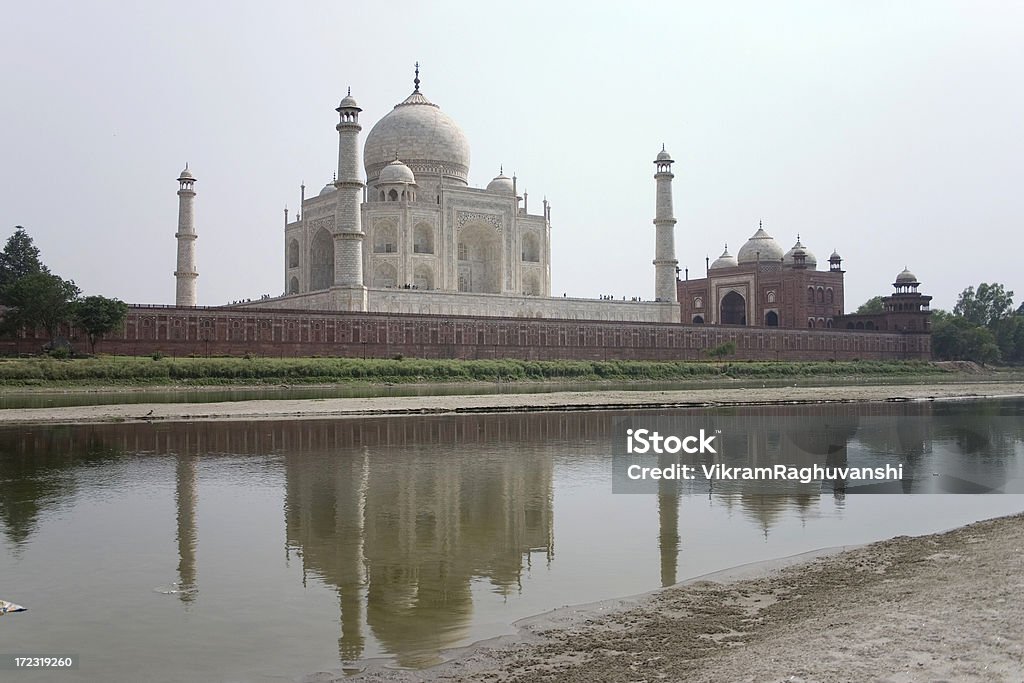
(891, 131)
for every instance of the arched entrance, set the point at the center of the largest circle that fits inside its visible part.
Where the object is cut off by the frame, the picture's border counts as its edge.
(734, 309)
(479, 256)
(321, 261)
(771, 319)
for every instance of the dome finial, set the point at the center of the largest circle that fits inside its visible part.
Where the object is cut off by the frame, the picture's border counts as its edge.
(416, 81)
(501, 169)
(350, 90)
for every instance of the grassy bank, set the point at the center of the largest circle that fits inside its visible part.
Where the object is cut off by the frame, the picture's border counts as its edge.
(120, 370)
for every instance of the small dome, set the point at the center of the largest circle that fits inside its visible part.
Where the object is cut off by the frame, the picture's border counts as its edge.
(328, 188)
(186, 173)
(835, 256)
(397, 172)
(906, 277)
(663, 155)
(790, 257)
(349, 102)
(726, 260)
(501, 184)
(760, 245)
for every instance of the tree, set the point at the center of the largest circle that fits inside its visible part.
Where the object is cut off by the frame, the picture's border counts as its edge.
(19, 258)
(986, 306)
(98, 315)
(947, 336)
(981, 345)
(722, 350)
(38, 300)
(872, 305)
(955, 338)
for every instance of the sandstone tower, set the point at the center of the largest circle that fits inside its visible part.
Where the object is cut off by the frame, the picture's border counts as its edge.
(185, 275)
(665, 262)
(348, 230)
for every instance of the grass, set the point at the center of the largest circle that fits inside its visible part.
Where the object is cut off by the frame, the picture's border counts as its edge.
(124, 370)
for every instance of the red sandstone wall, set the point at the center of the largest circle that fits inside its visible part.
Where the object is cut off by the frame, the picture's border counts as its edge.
(227, 332)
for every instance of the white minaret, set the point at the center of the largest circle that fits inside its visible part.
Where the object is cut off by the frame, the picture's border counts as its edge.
(185, 276)
(348, 229)
(664, 226)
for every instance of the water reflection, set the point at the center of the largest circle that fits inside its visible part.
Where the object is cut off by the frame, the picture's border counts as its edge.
(412, 522)
(185, 503)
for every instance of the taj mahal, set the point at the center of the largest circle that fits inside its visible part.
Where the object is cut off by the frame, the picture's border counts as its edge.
(415, 239)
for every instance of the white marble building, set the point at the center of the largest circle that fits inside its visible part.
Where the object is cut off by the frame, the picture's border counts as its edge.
(416, 238)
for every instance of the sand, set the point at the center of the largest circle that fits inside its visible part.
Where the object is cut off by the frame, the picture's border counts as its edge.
(495, 403)
(944, 607)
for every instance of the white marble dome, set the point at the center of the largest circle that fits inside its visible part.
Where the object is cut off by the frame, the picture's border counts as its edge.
(761, 246)
(501, 184)
(428, 141)
(348, 102)
(328, 188)
(397, 172)
(726, 260)
(809, 259)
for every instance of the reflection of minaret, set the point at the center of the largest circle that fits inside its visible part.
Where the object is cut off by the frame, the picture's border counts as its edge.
(350, 514)
(185, 500)
(668, 530)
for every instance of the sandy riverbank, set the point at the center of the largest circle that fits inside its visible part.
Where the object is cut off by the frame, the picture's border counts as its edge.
(493, 403)
(943, 607)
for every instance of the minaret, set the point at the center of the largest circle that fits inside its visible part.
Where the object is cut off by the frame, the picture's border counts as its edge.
(348, 230)
(185, 275)
(665, 263)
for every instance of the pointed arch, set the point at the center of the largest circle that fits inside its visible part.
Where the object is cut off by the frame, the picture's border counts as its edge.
(531, 248)
(733, 309)
(385, 275)
(321, 260)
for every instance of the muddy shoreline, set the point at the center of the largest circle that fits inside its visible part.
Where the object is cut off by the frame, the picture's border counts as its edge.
(944, 606)
(270, 409)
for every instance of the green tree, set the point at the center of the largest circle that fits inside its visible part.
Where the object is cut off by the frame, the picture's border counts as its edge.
(872, 305)
(19, 258)
(722, 350)
(39, 300)
(986, 306)
(98, 315)
(981, 345)
(947, 336)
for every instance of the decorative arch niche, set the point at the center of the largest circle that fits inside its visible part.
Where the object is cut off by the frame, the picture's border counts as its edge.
(321, 260)
(385, 275)
(479, 259)
(733, 309)
(531, 248)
